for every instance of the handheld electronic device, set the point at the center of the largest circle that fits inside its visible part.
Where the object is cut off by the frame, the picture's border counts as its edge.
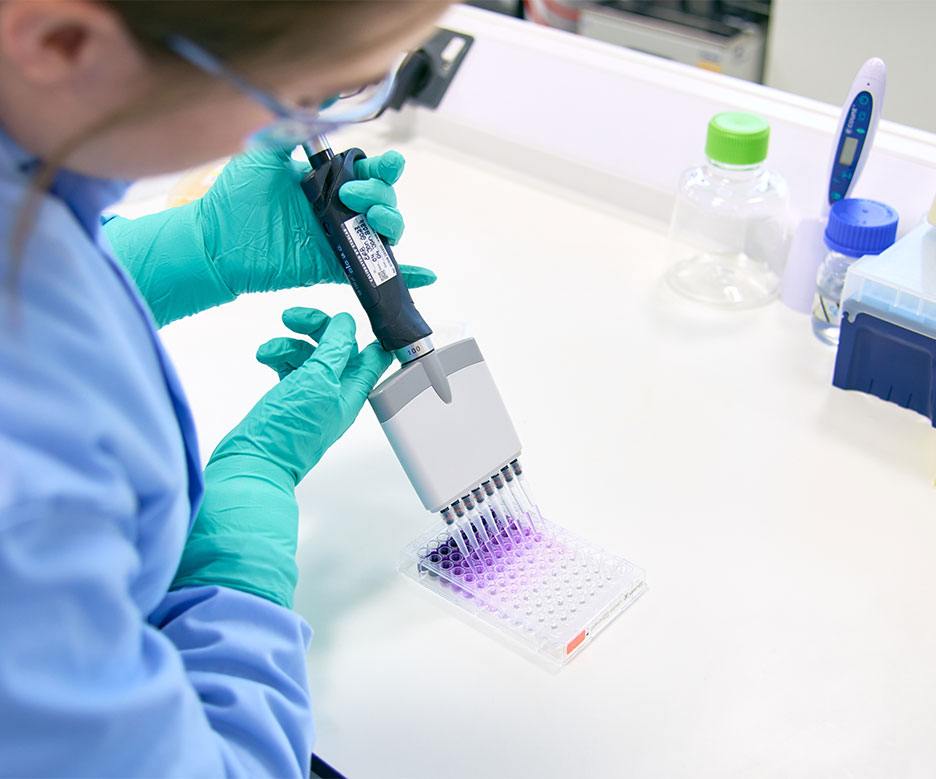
(857, 126)
(854, 137)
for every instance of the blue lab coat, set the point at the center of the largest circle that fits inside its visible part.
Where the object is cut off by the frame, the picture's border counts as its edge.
(103, 672)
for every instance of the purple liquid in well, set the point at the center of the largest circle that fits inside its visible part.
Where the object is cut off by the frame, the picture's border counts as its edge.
(514, 572)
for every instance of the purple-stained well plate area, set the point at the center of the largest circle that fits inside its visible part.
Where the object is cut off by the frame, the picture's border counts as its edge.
(544, 586)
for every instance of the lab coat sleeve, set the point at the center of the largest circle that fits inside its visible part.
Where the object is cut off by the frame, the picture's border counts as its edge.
(87, 687)
(101, 672)
(245, 658)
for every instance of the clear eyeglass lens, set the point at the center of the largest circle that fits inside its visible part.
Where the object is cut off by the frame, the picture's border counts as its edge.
(358, 106)
(361, 105)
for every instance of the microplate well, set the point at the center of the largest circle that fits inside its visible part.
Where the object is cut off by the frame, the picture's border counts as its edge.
(548, 589)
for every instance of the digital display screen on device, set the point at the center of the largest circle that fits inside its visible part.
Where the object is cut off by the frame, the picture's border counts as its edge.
(848, 151)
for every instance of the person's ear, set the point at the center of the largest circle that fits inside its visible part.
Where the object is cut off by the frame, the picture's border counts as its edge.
(53, 41)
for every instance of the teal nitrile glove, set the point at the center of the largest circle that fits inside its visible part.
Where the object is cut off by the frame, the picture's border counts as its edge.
(373, 193)
(284, 355)
(253, 231)
(244, 536)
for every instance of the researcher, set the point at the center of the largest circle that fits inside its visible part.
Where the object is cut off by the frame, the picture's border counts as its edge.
(145, 604)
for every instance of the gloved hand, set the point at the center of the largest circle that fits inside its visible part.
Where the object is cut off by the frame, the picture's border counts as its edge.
(244, 535)
(284, 355)
(253, 231)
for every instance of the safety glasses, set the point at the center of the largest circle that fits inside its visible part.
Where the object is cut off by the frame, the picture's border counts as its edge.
(294, 124)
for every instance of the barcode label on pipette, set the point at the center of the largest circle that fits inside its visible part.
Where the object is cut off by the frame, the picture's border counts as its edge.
(377, 263)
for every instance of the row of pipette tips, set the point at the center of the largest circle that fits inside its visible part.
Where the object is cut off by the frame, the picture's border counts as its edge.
(501, 504)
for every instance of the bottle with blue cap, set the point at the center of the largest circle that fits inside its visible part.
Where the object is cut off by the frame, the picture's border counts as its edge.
(857, 227)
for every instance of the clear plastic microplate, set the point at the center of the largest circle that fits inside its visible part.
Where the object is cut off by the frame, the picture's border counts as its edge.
(548, 589)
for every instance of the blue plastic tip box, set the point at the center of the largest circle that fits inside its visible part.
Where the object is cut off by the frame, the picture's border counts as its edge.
(887, 345)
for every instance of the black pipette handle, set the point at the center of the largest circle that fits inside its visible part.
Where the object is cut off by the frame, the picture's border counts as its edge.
(365, 257)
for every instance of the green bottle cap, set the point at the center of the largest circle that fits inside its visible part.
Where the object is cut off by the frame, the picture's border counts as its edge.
(737, 138)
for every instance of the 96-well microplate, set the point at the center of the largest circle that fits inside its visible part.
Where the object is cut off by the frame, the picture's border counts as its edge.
(549, 589)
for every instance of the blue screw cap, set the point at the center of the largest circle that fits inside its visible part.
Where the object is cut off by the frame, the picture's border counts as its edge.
(858, 226)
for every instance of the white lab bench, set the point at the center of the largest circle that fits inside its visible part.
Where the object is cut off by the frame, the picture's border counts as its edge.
(787, 528)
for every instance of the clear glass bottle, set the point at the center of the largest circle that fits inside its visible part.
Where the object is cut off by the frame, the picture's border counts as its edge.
(826, 313)
(857, 227)
(730, 229)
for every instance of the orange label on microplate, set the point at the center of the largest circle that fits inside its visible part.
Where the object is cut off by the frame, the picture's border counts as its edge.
(575, 642)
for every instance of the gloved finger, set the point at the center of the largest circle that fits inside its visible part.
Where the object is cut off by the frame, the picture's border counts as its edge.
(363, 372)
(284, 355)
(361, 195)
(415, 276)
(336, 346)
(387, 167)
(308, 321)
(386, 221)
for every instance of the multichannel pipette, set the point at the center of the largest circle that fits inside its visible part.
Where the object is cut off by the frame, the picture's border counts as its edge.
(441, 411)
